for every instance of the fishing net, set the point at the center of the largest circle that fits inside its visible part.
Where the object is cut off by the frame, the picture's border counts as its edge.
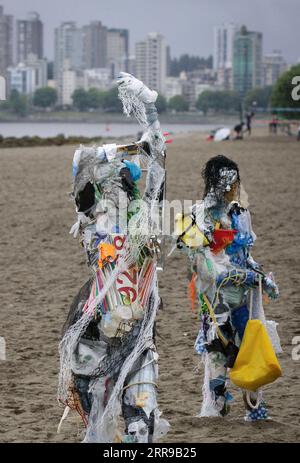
(134, 95)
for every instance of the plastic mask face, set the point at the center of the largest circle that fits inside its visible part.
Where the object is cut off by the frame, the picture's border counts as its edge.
(232, 194)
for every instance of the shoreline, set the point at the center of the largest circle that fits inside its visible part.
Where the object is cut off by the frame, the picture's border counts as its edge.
(106, 118)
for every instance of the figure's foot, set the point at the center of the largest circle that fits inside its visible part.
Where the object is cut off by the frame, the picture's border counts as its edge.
(220, 407)
(137, 432)
(259, 414)
(225, 410)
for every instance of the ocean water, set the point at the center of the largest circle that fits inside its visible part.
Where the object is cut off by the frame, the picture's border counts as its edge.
(43, 129)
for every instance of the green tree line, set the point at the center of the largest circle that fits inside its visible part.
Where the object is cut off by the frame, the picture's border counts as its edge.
(279, 96)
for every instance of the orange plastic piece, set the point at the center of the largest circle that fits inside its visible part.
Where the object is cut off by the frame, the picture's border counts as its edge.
(193, 291)
(107, 253)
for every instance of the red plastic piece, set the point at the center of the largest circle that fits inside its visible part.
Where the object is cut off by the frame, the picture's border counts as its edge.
(221, 239)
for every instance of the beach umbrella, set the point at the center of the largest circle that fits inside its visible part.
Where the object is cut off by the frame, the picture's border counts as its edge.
(222, 134)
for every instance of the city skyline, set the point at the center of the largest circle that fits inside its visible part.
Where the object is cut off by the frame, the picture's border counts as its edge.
(277, 28)
(94, 53)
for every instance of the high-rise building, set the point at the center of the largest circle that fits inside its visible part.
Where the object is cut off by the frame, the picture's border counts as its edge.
(92, 47)
(29, 37)
(273, 66)
(21, 78)
(95, 45)
(247, 61)
(141, 61)
(40, 66)
(169, 60)
(69, 44)
(6, 41)
(68, 84)
(28, 76)
(151, 61)
(173, 87)
(223, 46)
(69, 55)
(132, 65)
(117, 51)
(225, 78)
(97, 78)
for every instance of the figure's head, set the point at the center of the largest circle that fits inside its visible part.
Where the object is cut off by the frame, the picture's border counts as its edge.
(221, 176)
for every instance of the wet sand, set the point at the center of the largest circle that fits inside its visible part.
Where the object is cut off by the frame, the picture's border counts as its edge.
(43, 268)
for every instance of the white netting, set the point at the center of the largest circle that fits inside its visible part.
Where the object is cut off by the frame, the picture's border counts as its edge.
(208, 407)
(133, 106)
(146, 222)
(134, 95)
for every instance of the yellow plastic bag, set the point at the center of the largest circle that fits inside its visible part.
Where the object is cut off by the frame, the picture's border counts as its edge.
(256, 364)
(189, 232)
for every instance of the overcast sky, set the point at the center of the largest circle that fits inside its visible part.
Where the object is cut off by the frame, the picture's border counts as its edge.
(186, 24)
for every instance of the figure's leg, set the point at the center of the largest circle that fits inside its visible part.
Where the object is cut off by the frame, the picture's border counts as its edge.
(139, 400)
(99, 391)
(260, 412)
(94, 390)
(216, 398)
(140, 410)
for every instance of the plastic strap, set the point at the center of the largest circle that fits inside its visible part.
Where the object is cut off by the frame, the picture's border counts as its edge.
(212, 314)
(258, 400)
(259, 298)
(260, 293)
(251, 304)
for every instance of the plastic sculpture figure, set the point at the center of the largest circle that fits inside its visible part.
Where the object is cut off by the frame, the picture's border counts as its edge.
(218, 242)
(108, 355)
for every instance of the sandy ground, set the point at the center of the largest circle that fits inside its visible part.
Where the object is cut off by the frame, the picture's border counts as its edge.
(42, 268)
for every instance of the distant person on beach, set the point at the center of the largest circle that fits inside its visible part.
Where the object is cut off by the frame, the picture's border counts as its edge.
(238, 129)
(273, 125)
(298, 137)
(249, 117)
(224, 280)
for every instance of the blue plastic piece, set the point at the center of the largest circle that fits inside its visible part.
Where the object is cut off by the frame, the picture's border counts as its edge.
(135, 171)
(239, 318)
(261, 413)
(248, 277)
